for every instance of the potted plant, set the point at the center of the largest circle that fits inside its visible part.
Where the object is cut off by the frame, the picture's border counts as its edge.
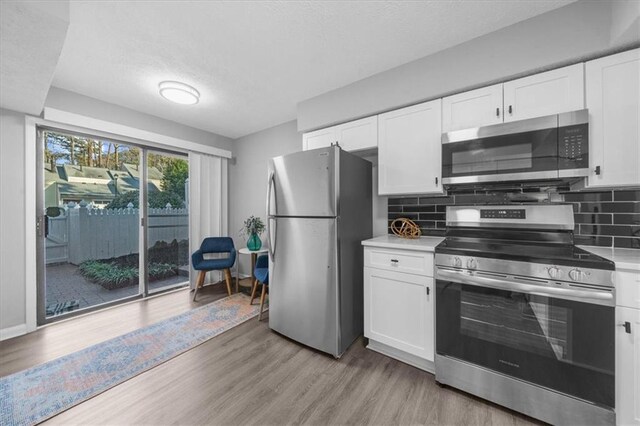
(253, 227)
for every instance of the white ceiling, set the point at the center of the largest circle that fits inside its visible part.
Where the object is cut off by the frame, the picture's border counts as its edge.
(253, 61)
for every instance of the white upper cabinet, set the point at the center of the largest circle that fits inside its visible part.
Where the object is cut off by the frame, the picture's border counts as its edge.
(358, 135)
(318, 139)
(551, 92)
(476, 108)
(410, 149)
(547, 93)
(352, 136)
(613, 100)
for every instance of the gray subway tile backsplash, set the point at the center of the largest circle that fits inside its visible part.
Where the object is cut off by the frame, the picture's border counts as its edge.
(608, 218)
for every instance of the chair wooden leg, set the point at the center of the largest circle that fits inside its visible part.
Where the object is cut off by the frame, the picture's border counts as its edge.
(199, 283)
(262, 297)
(254, 289)
(227, 278)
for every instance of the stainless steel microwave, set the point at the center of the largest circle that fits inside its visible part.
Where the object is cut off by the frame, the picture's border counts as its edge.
(550, 147)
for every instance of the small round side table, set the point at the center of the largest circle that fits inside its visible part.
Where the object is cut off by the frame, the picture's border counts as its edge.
(254, 255)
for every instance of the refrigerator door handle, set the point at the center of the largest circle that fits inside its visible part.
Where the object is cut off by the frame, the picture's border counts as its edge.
(270, 186)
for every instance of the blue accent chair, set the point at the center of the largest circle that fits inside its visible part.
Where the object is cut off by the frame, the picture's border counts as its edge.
(214, 245)
(261, 274)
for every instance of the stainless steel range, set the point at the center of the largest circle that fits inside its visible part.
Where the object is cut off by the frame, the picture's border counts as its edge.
(523, 317)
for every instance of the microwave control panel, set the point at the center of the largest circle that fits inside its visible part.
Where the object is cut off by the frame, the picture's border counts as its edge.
(573, 146)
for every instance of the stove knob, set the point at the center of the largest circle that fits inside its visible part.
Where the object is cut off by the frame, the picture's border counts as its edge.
(575, 274)
(457, 262)
(472, 264)
(554, 272)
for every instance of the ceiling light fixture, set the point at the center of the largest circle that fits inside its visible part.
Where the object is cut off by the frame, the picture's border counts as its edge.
(179, 93)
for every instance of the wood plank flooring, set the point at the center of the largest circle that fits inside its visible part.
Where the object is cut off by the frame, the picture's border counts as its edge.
(250, 376)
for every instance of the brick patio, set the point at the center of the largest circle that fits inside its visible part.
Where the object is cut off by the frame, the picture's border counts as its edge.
(65, 283)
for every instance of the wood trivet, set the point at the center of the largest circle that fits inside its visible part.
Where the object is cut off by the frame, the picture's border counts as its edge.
(405, 228)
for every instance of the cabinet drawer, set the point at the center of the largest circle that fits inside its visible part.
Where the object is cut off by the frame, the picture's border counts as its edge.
(628, 289)
(413, 262)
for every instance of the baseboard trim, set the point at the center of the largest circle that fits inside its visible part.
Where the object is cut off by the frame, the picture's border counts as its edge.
(15, 331)
(410, 359)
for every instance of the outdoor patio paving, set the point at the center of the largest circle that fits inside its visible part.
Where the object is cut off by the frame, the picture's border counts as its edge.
(65, 284)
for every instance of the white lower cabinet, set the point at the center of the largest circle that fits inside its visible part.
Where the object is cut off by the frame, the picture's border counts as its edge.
(627, 348)
(399, 313)
(627, 366)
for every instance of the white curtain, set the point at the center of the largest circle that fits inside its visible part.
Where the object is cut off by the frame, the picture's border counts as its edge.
(207, 204)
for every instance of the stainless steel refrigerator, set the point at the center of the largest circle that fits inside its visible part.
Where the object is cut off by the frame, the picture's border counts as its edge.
(318, 212)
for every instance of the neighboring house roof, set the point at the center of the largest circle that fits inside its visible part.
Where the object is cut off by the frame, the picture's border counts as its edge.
(127, 183)
(134, 170)
(85, 190)
(96, 183)
(50, 176)
(76, 173)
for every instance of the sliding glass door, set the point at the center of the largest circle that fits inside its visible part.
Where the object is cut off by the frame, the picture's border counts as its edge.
(113, 223)
(168, 221)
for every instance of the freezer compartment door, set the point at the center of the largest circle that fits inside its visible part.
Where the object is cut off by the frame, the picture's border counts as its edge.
(304, 183)
(303, 282)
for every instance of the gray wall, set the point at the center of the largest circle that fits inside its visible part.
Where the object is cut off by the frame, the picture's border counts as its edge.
(12, 185)
(84, 105)
(248, 176)
(573, 33)
(12, 220)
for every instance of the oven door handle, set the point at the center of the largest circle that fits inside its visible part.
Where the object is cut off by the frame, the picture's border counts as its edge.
(463, 277)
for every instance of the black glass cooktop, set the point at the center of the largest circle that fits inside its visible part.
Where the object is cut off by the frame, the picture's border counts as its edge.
(524, 247)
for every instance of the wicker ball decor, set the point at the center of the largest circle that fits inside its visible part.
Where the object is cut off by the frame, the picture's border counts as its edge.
(405, 228)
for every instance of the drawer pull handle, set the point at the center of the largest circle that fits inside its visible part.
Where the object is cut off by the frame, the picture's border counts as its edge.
(627, 326)
(394, 261)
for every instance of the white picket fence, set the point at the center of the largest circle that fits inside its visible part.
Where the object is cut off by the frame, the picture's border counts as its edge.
(82, 233)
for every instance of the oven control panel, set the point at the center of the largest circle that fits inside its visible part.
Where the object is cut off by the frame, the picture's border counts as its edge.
(503, 214)
(539, 271)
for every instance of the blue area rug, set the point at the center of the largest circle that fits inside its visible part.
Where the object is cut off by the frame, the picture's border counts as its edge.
(34, 395)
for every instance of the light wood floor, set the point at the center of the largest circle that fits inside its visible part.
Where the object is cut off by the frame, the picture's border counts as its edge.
(249, 375)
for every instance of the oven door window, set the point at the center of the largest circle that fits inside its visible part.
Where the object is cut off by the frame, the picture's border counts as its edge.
(534, 151)
(563, 345)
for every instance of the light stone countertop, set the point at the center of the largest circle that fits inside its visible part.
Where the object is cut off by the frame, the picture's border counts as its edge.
(391, 241)
(625, 259)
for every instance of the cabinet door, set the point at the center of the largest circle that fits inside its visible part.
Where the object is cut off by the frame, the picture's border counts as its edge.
(627, 367)
(358, 135)
(547, 93)
(319, 138)
(398, 311)
(613, 100)
(476, 108)
(410, 149)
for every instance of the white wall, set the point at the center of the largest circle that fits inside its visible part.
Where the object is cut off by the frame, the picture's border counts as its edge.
(573, 33)
(12, 220)
(248, 176)
(12, 186)
(379, 202)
